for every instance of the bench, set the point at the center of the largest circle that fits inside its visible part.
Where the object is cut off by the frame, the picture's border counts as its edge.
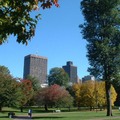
(57, 111)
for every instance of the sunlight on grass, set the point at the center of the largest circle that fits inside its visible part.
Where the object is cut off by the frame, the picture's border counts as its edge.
(78, 115)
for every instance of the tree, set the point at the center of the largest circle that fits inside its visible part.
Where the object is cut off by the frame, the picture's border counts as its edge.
(101, 30)
(4, 70)
(35, 82)
(100, 97)
(16, 18)
(92, 94)
(58, 76)
(71, 91)
(116, 85)
(42, 98)
(87, 96)
(54, 95)
(77, 91)
(9, 90)
(100, 94)
(26, 92)
(35, 86)
(59, 96)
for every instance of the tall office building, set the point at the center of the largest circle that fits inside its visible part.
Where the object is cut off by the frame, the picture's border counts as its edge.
(88, 77)
(72, 71)
(35, 66)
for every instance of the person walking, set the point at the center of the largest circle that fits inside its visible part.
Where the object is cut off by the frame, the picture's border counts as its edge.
(30, 113)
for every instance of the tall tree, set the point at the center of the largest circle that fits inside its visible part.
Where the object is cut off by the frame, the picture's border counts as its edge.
(77, 93)
(36, 87)
(87, 97)
(9, 90)
(27, 92)
(100, 94)
(58, 76)
(101, 30)
(16, 18)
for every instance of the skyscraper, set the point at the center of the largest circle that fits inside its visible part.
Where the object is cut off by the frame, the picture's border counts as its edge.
(71, 71)
(88, 77)
(35, 66)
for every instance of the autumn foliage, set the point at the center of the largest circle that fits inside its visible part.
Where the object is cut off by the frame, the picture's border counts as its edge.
(15, 15)
(92, 94)
(26, 91)
(54, 96)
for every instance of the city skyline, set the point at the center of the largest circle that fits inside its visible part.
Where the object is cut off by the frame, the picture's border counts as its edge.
(57, 36)
(36, 66)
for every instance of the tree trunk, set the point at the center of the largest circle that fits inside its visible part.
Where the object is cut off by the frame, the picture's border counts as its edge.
(108, 97)
(0, 108)
(69, 108)
(46, 109)
(21, 109)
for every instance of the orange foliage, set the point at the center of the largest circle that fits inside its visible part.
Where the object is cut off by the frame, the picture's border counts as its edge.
(26, 91)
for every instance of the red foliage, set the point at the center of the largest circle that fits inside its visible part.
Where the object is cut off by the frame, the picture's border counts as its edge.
(26, 91)
(27, 85)
(52, 94)
(48, 3)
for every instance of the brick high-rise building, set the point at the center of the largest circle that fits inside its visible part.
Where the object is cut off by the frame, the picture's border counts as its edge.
(35, 66)
(71, 71)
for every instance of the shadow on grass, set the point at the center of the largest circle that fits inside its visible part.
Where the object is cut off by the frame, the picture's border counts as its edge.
(37, 117)
(42, 111)
(46, 117)
(7, 111)
(18, 117)
(21, 117)
(3, 116)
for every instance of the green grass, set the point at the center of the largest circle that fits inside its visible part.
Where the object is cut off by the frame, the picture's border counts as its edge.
(38, 114)
(86, 115)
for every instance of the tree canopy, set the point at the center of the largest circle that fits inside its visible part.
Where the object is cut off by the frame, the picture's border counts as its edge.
(9, 90)
(26, 91)
(16, 18)
(4, 70)
(92, 94)
(101, 30)
(35, 82)
(54, 95)
(58, 76)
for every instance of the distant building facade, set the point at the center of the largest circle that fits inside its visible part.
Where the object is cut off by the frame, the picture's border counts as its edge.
(88, 77)
(71, 71)
(35, 66)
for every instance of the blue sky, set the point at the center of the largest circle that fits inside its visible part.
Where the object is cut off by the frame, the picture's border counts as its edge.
(57, 37)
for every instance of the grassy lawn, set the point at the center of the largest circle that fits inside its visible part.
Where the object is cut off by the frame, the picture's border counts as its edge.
(86, 115)
(78, 115)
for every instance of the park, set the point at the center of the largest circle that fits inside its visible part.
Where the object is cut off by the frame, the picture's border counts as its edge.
(74, 114)
(101, 31)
